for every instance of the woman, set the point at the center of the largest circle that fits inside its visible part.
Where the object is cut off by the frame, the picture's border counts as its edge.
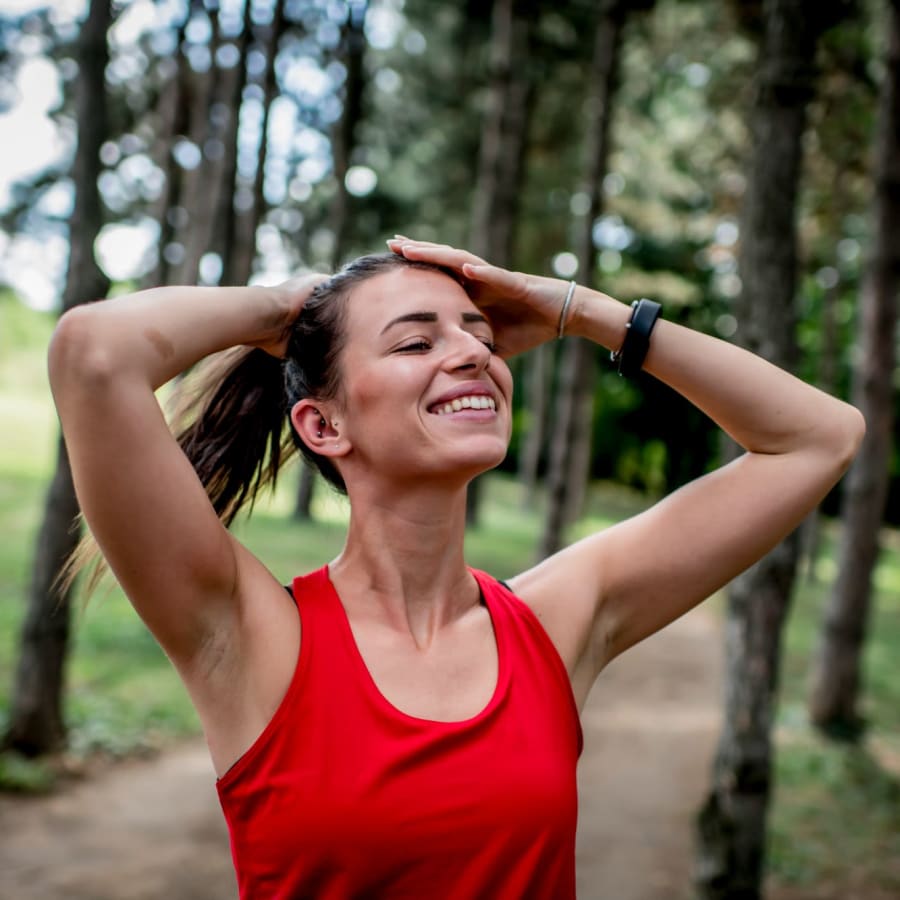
(413, 731)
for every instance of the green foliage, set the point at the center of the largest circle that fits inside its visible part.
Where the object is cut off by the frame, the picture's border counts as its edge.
(25, 776)
(836, 808)
(881, 685)
(836, 819)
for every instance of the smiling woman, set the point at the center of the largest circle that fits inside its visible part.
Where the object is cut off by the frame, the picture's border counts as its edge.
(398, 724)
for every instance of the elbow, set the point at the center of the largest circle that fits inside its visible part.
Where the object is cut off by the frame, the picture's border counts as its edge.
(77, 352)
(846, 436)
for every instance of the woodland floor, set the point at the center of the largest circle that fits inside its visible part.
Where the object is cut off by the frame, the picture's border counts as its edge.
(152, 828)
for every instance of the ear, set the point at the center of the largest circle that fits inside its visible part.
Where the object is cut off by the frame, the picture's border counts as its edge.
(318, 429)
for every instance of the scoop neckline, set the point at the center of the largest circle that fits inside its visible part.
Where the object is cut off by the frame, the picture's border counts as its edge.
(372, 686)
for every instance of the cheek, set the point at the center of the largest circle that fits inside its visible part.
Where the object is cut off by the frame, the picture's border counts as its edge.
(398, 386)
(502, 376)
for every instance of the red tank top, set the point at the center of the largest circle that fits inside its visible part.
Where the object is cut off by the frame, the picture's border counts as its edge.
(345, 796)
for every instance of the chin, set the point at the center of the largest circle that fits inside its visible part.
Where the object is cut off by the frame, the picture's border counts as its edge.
(477, 463)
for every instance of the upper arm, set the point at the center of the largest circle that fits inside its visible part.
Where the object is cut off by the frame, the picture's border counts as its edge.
(611, 590)
(139, 493)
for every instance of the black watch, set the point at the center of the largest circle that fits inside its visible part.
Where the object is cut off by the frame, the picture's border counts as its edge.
(630, 356)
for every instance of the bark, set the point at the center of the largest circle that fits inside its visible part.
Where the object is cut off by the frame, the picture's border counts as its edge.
(537, 395)
(343, 143)
(570, 451)
(731, 833)
(170, 121)
(199, 186)
(305, 492)
(36, 722)
(224, 224)
(827, 378)
(835, 692)
(501, 154)
(238, 257)
(343, 138)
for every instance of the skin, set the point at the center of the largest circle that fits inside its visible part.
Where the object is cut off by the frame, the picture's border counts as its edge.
(226, 622)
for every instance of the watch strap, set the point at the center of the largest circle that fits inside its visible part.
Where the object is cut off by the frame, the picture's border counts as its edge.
(631, 355)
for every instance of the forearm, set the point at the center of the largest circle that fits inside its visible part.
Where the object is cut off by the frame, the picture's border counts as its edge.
(765, 409)
(156, 334)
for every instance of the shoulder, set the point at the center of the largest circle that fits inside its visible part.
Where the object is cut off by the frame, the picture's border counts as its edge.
(565, 603)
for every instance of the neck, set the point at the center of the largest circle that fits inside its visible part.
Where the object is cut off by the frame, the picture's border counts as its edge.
(403, 562)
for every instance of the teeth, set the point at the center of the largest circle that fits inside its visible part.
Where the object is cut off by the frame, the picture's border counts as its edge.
(477, 401)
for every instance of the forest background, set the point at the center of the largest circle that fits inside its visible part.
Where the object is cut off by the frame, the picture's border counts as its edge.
(692, 151)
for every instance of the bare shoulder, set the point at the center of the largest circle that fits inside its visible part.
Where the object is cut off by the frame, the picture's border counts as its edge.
(564, 596)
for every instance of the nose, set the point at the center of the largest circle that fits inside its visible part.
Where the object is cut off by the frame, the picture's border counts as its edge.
(468, 353)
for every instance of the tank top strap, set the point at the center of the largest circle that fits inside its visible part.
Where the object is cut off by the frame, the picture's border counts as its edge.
(321, 617)
(528, 641)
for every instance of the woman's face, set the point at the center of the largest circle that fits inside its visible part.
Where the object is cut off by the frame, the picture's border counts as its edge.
(422, 393)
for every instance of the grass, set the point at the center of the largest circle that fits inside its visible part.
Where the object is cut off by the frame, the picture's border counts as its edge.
(836, 815)
(836, 811)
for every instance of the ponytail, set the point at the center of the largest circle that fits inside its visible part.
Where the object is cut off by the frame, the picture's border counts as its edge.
(229, 419)
(232, 427)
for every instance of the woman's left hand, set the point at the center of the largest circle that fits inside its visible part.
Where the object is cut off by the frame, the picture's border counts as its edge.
(524, 310)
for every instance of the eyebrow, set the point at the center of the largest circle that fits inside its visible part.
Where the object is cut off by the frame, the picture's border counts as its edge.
(431, 317)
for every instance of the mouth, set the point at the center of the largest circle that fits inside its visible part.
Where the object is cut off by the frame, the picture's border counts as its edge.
(466, 401)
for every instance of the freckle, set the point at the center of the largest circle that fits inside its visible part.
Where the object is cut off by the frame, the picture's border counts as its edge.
(164, 347)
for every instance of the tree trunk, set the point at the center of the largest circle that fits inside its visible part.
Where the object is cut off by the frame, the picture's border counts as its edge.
(170, 121)
(238, 256)
(343, 142)
(222, 238)
(731, 833)
(571, 447)
(836, 678)
(501, 154)
(36, 720)
(829, 351)
(199, 185)
(343, 137)
(537, 395)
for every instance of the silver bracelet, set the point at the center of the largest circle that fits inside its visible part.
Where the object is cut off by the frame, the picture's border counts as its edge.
(565, 309)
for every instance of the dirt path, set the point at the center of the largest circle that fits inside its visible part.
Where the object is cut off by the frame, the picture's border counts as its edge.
(147, 830)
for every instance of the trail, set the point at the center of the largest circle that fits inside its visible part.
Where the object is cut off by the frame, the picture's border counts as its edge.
(151, 829)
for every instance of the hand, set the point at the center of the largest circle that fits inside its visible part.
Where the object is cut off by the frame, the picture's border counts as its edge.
(523, 309)
(289, 298)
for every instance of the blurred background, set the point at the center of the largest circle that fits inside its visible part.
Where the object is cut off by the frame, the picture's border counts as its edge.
(736, 160)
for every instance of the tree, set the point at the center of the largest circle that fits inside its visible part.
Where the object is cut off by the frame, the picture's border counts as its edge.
(169, 121)
(570, 450)
(343, 140)
(501, 155)
(836, 679)
(732, 823)
(36, 719)
(239, 241)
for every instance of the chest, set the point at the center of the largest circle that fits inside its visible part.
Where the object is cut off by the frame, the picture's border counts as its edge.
(379, 798)
(452, 680)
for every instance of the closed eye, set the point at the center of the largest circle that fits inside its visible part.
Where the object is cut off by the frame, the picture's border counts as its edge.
(414, 347)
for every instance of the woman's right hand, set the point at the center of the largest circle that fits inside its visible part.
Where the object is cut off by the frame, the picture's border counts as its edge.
(290, 297)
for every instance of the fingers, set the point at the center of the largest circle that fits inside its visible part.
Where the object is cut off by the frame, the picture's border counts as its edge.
(428, 251)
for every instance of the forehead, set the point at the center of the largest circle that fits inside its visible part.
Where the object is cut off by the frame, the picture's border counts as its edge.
(378, 300)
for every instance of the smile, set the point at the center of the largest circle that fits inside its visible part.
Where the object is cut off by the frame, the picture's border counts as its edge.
(475, 401)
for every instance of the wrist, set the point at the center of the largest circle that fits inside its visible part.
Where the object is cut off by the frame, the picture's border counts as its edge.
(597, 317)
